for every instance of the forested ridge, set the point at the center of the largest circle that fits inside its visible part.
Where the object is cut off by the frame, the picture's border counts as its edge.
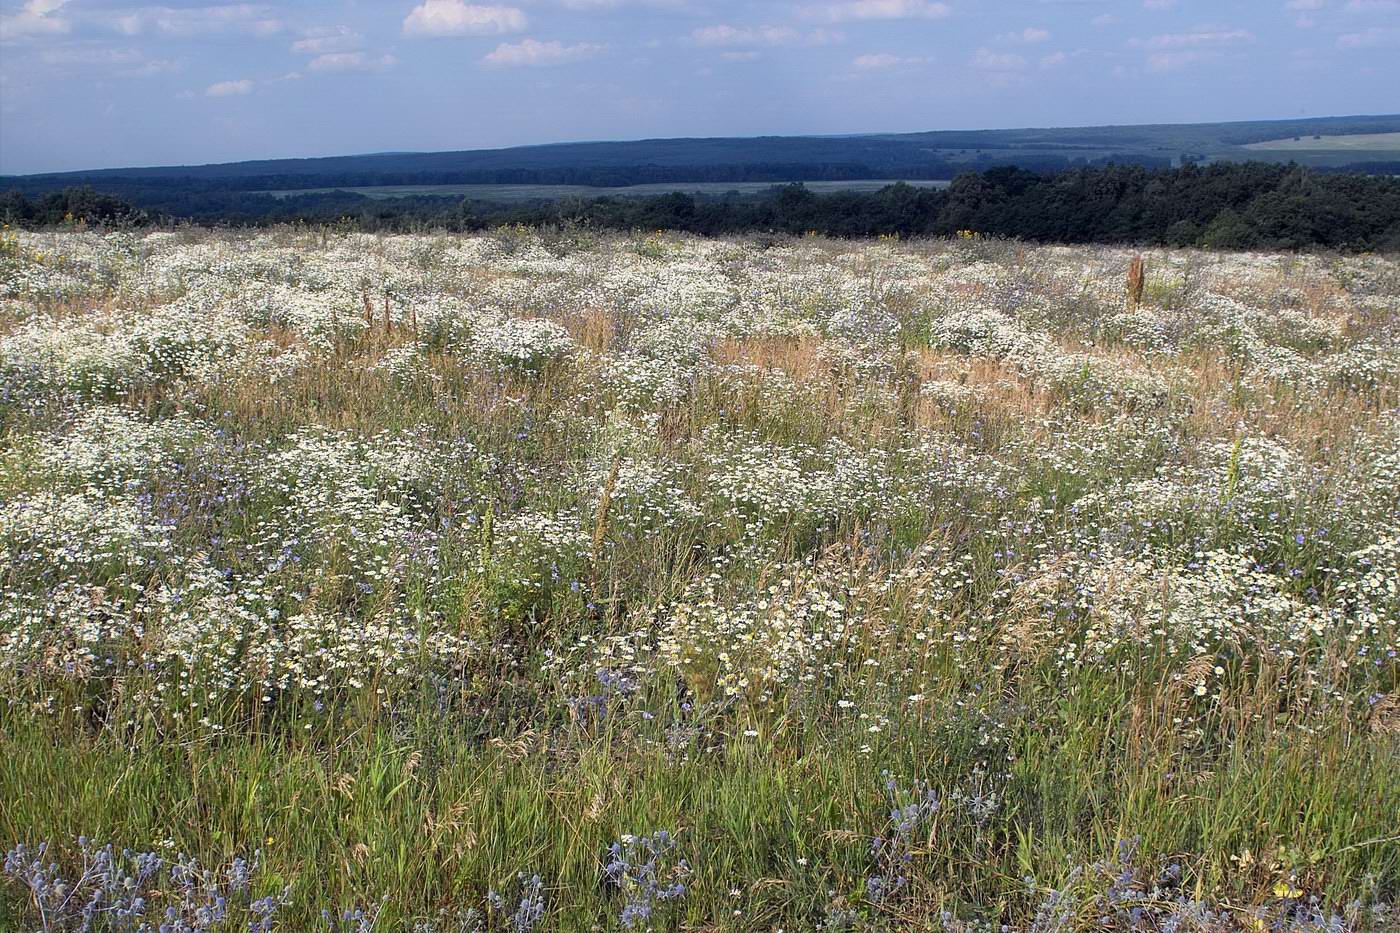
(937, 154)
(1226, 205)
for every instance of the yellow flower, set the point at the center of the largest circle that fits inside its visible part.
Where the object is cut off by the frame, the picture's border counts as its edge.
(1284, 889)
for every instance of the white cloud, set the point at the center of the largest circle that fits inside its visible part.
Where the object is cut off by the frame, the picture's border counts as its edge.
(455, 18)
(119, 62)
(987, 60)
(229, 88)
(1204, 37)
(590, 5)
(1158, 4)
(337, 50)
(346, 62)
(531, 52)
(1303, 10)
(881, 61)
(854, 10)
(35, 18)
(1029, 36)
(91, 56)
(723, 35)
(152, 66)
(1177, 50)
(739, 56)
(1373, 6)
(1054, 60)
(248, 18)
(1162, 62)
(327, 41)
(1377, 37)
(875, 62)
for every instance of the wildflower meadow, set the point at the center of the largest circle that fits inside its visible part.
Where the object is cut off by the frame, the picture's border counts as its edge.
(557, 580)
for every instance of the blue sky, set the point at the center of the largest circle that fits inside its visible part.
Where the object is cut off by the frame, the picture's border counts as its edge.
(93, 83)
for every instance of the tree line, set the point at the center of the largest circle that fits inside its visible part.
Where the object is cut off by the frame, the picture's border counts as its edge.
(1225, 205)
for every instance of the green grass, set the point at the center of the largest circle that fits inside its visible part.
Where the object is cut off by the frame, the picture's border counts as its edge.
(1356, 142)
(423, 816)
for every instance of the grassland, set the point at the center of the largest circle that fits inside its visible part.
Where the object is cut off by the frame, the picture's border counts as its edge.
(1355, 142)
(509, 582)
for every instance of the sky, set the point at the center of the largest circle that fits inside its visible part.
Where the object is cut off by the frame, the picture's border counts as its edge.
(105, 83)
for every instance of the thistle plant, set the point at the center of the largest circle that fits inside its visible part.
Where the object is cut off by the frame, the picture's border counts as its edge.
(140, 891)
(524, 908)
(892, 852)
(647, 872)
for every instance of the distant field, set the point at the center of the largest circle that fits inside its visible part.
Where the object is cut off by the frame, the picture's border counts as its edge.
(1358, 142)
(510, 193)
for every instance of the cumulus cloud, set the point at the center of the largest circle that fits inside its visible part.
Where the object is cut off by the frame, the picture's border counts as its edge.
(883, 61)
(1029, 36)
(875, 61)
(87, 55)
(248, 18)
(1303, 11)
(152, 66)
(724, 34)
(1199, 38)
(532, 52)
(348, 62)
(455, 18)
(1162, 62)
(591, 5)
(229, 88)
(1304, 8)
(1174, 51)
(987, 60)
(35, 18)
(329, 40)
(40, 17)
(855, 10)
(1203, 37)
(1377, 37)
(120, 62)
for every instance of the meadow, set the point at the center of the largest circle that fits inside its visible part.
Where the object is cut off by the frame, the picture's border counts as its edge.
(1359, 142)
(566, 581)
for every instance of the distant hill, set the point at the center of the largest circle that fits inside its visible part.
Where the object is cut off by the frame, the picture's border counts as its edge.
(937, 154)
(392, 183)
